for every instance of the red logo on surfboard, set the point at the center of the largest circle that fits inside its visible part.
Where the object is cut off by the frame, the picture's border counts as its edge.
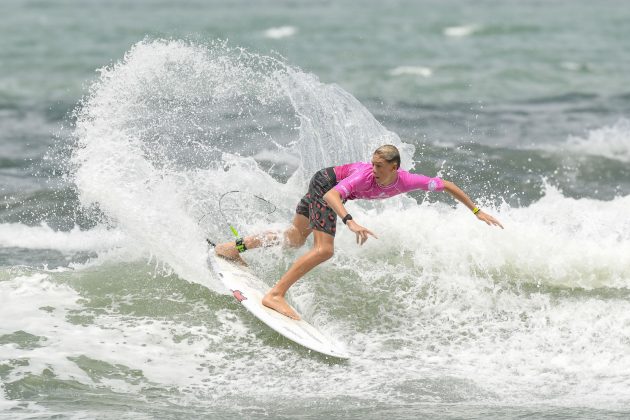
(238, 295)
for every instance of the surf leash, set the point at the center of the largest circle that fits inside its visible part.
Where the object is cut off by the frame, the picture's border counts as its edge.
(240, 245)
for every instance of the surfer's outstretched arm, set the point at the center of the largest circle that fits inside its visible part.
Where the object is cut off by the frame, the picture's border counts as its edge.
(461, 196)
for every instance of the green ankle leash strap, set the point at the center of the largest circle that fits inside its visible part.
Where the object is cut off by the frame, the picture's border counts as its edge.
(240, 245)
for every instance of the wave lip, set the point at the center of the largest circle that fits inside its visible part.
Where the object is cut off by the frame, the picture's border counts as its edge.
(612, 142)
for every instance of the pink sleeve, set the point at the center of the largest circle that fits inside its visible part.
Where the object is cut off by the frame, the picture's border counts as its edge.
(420, 182)
(348, 185)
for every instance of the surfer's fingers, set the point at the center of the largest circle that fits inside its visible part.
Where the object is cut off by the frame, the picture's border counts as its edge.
(495, 222)
(490, 221)
(361, 236)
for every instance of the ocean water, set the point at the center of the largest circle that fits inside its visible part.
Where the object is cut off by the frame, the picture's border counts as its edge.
(122, 124)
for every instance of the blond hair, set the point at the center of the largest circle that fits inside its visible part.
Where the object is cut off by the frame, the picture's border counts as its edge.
(390, 153)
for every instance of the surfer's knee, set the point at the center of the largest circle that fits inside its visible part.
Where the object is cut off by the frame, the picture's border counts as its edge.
(294, 238)
(299, 242)
(324, 252)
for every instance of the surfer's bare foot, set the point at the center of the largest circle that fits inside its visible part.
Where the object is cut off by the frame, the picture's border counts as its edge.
(280, 305)
(229, 252)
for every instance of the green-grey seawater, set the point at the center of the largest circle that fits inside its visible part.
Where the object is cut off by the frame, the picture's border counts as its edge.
(121, 124)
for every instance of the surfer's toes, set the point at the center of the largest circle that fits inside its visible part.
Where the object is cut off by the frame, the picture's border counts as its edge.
(293, 315)
(278, 304)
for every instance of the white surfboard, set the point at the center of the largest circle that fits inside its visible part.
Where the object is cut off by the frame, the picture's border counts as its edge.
(249, 291)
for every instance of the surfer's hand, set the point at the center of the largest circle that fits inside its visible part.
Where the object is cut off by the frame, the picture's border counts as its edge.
(485, 217)
(361, 232)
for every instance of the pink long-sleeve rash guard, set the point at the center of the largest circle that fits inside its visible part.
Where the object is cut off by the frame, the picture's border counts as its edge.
(356, 181)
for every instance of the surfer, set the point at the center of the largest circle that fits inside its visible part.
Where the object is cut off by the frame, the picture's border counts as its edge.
(317, 213)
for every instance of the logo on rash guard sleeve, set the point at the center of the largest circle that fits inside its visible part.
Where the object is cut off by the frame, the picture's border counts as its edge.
(433, 185)
(343, 188)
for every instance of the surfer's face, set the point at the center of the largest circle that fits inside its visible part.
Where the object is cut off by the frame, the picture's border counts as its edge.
(384, 172)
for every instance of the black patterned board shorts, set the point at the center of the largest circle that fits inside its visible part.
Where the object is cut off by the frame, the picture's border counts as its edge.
(313, 205)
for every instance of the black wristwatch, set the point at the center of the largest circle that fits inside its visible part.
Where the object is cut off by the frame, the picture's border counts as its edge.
(346, 218)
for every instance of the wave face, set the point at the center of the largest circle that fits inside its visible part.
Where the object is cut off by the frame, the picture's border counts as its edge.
(441, 313)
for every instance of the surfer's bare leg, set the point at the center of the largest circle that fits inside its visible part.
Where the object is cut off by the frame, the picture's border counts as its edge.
(228, 249)
(294, 236)
(323, 249)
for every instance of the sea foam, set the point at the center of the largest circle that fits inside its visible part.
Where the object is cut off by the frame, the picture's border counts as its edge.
(461, 31)
(44, 237)
(412, 71)
(280, 32)
(611, 141)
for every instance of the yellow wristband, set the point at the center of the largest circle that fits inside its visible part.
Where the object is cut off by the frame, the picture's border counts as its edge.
(476, 210)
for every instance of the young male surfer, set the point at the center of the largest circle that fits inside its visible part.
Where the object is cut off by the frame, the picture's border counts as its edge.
(317, 213)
